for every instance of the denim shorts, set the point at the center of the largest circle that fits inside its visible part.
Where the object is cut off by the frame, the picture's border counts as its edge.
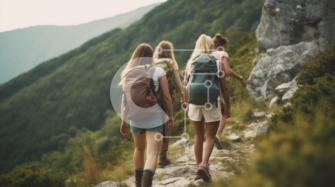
(137, 130)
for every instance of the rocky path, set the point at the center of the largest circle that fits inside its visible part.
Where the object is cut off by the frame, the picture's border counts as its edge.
(238, 141)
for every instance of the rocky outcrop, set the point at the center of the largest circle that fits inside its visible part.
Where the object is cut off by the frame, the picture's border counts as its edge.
(277, 66)
(287, 22)
(289, 33)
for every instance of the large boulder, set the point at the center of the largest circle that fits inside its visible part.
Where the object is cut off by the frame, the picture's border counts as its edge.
(289, 34)
(277, 66)
(287, 22)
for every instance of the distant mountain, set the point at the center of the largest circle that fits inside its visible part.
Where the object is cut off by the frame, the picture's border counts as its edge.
(23, 49)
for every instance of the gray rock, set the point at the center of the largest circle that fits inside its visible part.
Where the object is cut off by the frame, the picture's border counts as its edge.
(175, 181)
(287, 22)
(258, 114)
(273, 101)
(250, 134)
(290, 93)
(283, 88)
(183, 142)
(262, 128)
(289, 33)
(256, 129)
(278, 66)
(109, 184)
(234, 137)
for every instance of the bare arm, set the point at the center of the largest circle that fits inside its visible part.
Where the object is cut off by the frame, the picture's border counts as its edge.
(179, 85)
(225, 94)
(167, 101)
(124, 110)
(230, 72)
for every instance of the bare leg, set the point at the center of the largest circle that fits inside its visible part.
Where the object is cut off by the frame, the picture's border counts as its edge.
(211, 129)
(221, 127)
(139, 140)
(163, 158)
(198, 127)
(153, 147)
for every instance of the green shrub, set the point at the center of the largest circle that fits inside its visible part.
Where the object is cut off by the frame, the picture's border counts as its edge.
(299, 151)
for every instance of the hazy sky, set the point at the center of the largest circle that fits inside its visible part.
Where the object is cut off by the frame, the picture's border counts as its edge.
(23, 13)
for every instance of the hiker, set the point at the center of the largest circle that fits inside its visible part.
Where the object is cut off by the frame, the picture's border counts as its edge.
(164, 58)
(220, 44)
(205, 83)
(142, 85)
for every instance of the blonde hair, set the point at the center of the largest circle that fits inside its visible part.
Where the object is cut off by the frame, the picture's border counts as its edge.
(164, 50)
(203, 45)
(142, 51)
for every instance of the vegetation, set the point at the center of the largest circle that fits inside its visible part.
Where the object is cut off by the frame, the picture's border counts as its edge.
(58, 115)
(299, 151)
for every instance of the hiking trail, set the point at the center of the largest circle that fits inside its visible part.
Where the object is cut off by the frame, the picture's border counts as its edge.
(238, 145)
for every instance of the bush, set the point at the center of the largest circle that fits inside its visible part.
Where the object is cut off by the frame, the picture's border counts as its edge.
(299, 150)
(32, 175)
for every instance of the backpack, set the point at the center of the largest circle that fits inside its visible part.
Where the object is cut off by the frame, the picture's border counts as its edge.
(167, 65)
(138, 89)
(203, 83)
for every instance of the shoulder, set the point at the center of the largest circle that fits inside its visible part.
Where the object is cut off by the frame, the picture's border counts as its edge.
(159, 71)
(174, 64)
(220, 54)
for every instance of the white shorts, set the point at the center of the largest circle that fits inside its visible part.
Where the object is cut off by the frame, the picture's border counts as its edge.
(199, 113)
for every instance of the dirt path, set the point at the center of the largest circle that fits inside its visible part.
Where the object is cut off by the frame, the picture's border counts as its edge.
(223, 163)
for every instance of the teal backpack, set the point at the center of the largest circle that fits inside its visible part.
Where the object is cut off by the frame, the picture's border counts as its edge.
(203, 84)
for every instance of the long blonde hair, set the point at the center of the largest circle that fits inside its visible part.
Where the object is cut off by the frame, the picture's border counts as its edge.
(204, 44)
(142, 55)
(164, 50)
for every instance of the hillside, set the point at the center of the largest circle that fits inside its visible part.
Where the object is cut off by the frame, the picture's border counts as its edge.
(68, 95)
(23, 49)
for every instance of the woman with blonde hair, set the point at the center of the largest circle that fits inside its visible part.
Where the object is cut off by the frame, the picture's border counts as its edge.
(205, 84)
(164, 57)
(142, 85)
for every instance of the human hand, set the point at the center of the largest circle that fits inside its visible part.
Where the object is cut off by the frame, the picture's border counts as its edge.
(226, 112)
(169, 124)
(123, 128)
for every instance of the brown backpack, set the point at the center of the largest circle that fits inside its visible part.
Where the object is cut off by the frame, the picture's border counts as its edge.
(138, 88)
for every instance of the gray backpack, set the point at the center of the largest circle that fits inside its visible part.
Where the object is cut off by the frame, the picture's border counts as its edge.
(203, 84)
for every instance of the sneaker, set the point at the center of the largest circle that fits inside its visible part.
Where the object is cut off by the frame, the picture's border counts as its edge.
(203, 172)
(164, 162)
(218, 144)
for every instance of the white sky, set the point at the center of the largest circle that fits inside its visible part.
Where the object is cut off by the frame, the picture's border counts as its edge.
(23, 13)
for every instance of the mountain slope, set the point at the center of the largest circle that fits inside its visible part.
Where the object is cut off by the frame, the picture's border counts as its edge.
(40, 112)
(23, 49)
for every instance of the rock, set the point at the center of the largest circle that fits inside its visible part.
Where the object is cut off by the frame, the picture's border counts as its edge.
(273, 101)
(250, 134)
(109, 184)
(287, 22)
(182, 159)
(183, 142)
(175, 181)
(288, 35)
(277, 66)
(234, 137)
(262, 128)
(287, 105)
(289, 94)
(269, 115)
(283, 88)
(258, 114)
(256, 129)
